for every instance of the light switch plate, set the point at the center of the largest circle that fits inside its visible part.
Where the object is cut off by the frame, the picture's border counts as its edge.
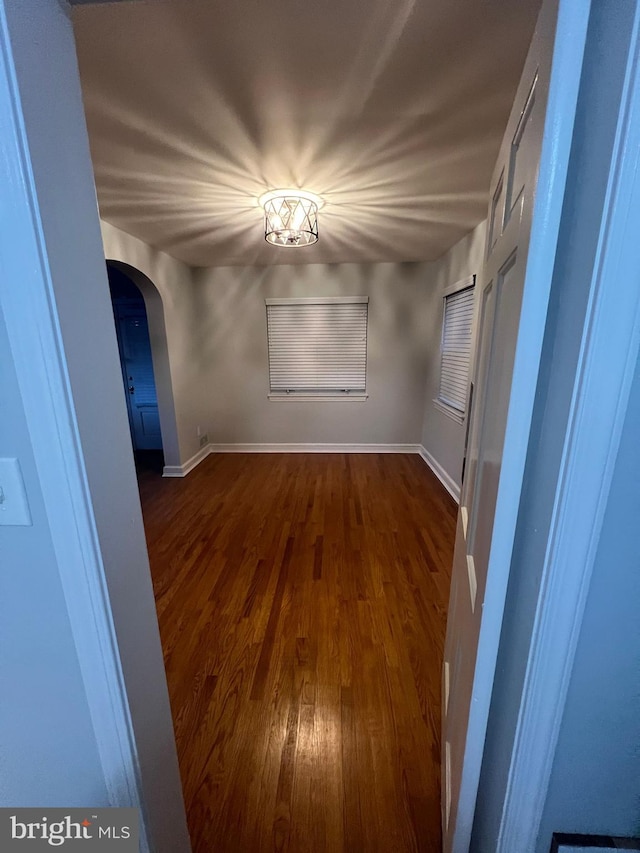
(14, 508)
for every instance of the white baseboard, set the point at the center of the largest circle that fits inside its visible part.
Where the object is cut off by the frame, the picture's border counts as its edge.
(447, 481)
(189, 465)
(314, 448)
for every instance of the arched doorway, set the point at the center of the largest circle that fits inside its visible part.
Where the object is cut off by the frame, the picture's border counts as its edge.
(139, 286)
(136, 361)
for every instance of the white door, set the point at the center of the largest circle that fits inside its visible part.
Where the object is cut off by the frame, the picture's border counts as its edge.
(498, 433)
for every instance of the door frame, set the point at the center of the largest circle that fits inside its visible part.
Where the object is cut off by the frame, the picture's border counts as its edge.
(566, 72)
(610, 343)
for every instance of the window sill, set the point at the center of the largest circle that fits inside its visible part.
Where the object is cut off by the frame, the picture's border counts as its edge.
(318, 398)
(449, 411)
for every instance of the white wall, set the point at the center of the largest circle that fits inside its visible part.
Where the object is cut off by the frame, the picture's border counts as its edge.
(231, 344)
(443, 437)
(179, 386)
(71, 388)
(42, 688)
(217, 346)
(596, 771)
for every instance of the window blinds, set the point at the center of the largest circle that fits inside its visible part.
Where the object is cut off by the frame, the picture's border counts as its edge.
(456, 347)
(317, 345)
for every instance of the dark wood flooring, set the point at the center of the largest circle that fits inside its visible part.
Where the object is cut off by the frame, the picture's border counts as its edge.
(302, 603)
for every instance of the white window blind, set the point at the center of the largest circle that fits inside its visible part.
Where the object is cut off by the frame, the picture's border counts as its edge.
(317, 346)
(456, 346)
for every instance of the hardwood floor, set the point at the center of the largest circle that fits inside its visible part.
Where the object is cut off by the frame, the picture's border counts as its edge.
(302, 604)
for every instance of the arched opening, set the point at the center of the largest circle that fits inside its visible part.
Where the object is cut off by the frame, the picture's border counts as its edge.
(144, 358)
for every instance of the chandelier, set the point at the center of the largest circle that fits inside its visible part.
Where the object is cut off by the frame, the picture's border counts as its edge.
(290, 217)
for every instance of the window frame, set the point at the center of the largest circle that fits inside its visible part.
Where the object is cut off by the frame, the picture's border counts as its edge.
(320, 395)
(439, 402)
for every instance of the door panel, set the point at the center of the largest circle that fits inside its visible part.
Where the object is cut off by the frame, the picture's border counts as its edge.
(485, 336)
(495, 405)
(502, 283)
(517, 155)
(496, 215)
(150, 423)
(137, 372)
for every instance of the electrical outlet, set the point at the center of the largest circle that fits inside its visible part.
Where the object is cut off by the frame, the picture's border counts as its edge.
(204, 439)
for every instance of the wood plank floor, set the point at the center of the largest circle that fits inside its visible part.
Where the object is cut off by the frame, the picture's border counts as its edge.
(302, 603)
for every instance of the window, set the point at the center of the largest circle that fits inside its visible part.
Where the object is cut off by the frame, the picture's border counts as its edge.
(455, 350)
(317, 347)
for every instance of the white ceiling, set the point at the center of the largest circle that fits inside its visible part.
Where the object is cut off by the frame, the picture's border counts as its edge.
(391, 110)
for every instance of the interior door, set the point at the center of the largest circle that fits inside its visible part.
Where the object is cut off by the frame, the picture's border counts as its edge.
(482, 552)
(137, 373)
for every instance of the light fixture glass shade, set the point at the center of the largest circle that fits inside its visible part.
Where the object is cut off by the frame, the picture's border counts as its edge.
(290, 219)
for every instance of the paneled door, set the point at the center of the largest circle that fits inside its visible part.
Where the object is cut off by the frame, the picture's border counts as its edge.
(498, 432)
(137, 374)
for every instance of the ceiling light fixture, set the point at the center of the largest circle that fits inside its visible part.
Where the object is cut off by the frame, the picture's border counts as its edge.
(290, 217)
